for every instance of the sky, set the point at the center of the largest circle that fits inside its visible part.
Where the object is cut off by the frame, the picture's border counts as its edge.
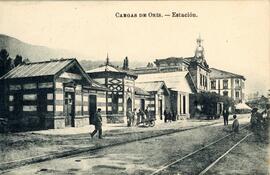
(235, 33)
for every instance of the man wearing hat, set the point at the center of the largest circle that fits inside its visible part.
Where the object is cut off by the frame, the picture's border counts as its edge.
(256, 122)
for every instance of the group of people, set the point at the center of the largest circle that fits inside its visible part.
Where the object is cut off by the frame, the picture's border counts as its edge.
(137, 117)
(260, 122)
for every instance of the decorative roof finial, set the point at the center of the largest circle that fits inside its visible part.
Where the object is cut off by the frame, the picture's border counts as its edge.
(199, 52)
(199, 40)
(107, 60)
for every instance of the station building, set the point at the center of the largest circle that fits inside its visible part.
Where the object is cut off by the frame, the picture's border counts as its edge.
(174, 95)
(121, 90)
(124, 94)
(50, 94)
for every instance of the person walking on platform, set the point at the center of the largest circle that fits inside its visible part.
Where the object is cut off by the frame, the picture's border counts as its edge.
(98, 124)
(133, 117)
(166, 113)
(129, 117)
(226, 116)
(138, 117)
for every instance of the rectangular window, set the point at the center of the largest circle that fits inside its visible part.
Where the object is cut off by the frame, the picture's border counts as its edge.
(225, 93)
(14, 87)
(225, 84)
(11, 108)
(201, 79)
(29, 96)
(29, 108)
(11, 98)
(50, 96)
(30, 86)
(237, 94)
(45, 85)
(213, 84)
(49, 107)
(237, 83)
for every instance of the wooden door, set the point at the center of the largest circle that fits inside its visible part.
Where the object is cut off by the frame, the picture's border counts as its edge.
(142, 104)
(42, 108)
(69, 109)
(92, 108)
(160, 108)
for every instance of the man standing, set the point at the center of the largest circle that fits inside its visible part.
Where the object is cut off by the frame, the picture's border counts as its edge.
(166, 113)
(98, 124)
(129, 117)
(226, 116)
(133, 117)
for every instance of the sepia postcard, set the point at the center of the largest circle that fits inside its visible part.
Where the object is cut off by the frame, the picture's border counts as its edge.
(134, 87)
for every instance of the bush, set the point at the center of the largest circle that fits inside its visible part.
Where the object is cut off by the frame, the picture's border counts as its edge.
(205, 103)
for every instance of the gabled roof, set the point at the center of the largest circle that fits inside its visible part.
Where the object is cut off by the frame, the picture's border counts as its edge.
(35, 69)
(217, 73)
(103, 69)
(111, 69)
(176, 81)
(152, 86)
(49, 68)
(139, 91)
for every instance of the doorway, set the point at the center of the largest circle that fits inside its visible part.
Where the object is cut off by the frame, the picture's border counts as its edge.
(129, 104)
(142, 104)
(42, 108)
(92, 108)
(160, 108)
(115, 103)
(69, 108)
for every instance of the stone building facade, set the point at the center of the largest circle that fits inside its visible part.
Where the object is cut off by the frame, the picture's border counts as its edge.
(228, 84)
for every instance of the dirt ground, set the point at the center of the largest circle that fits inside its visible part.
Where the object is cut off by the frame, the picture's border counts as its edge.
(141, 157)
(249, 157)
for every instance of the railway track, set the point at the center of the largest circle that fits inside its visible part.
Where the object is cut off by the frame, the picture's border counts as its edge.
(41, 158)
(203, 159)
(93, 150)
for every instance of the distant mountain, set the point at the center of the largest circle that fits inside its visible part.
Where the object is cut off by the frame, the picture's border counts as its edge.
(41, 53)
(33, 52)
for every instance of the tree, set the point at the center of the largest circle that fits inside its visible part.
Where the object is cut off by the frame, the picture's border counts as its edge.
(4, 56)
(207, 102)
(18, 60)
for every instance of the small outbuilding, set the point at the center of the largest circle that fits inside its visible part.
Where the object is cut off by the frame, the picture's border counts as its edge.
(121, 90)
(50, 94)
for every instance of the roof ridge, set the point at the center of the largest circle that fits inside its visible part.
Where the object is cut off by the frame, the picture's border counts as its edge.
(151, 81)
(48, 61)
(226, 72)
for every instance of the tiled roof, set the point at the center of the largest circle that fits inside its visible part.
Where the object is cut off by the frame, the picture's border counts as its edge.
(48, 68)
(35, 69)
(216, 73)
(103, 69)
(109, 68)
(139, 91)
(150, 86)
(174, 80)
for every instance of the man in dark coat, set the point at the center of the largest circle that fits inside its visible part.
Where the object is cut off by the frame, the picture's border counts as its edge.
(98, 124)
(226, 116)
(166, 115)
(129, 117)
